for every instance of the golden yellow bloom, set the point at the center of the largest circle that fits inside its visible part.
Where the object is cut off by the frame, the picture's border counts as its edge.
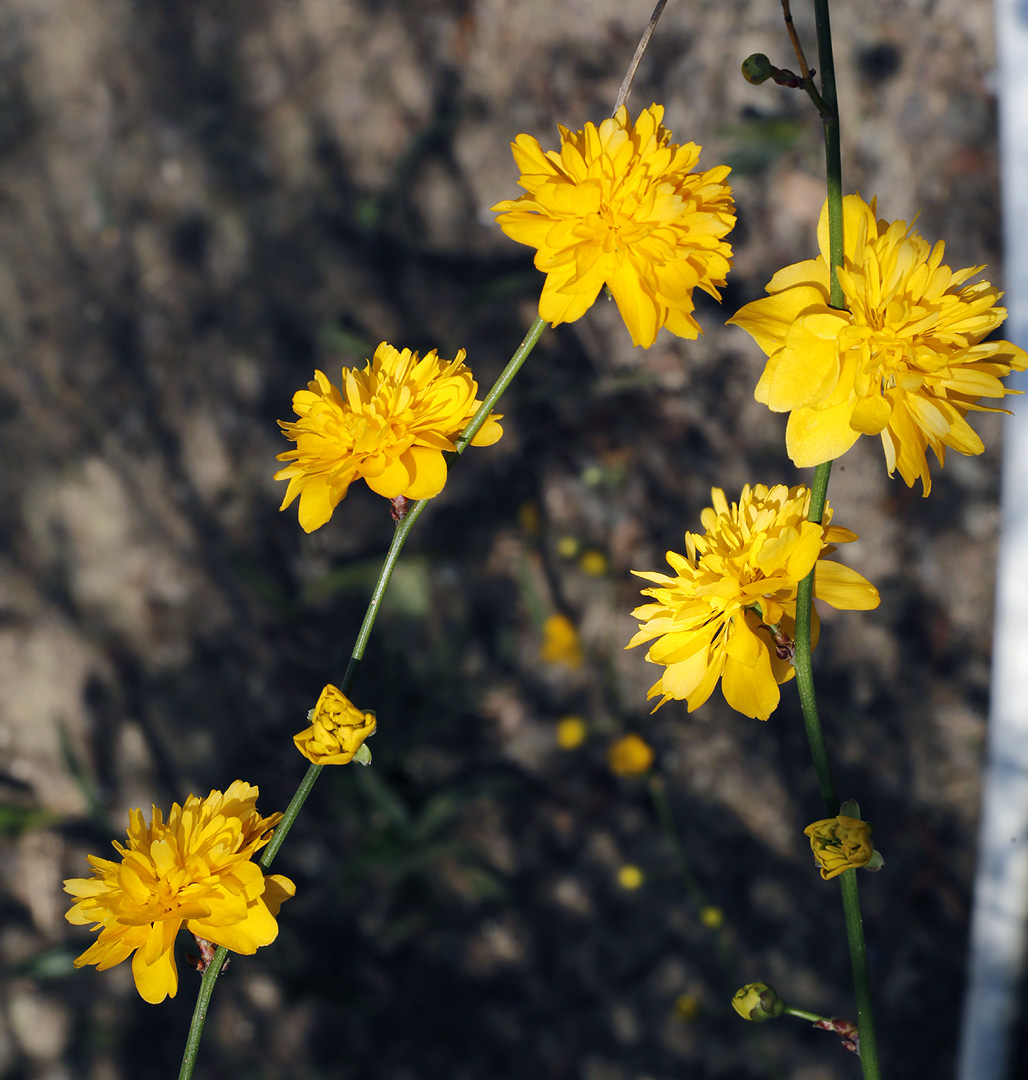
(631, 755)
(729, 611)
(712, 917)
(390, 424)
(758, 1002)
(338, 729)
(839, 844)
(193, 870)
(630, 877)
(567, 547)
(594, 563)
(619, 205)
(571, 732)
(906, 361)
(560, 642)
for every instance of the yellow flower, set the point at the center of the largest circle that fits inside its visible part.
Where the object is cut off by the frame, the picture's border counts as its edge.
(594, 563)
(560, 642)
(571, 732)
(619, 205)
(712, 917)
(338, 729)
(729, 611)
(839, 844)
(906, 361)
(630, 877)
(686, 1008)
(193, 870)
(390, 424)
(631, 755)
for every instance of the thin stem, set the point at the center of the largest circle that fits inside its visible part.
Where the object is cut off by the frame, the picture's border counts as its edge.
(403, 530)
(666, 817)
(802, 662)
(210, 977)
(802, 1014)
(626, 83)
(861, 976)
(804, 596)
(808, 79)
(833, 144)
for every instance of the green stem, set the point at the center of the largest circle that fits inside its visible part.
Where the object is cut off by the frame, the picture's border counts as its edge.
(802, 1014)
(833, 143)
(403, 530)
(802, 662)
(666, 817)
(861, 976)
(804, 595)
(210, 977)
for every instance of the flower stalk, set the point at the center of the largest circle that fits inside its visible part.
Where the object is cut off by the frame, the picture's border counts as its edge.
(403, 530)
(804, 597)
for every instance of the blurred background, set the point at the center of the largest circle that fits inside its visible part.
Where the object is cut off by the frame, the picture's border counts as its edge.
(201, 202)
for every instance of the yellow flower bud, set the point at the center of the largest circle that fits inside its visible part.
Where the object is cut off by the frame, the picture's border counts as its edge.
(630, 756)
(338, 729)
(758, 1002)
(839, 844)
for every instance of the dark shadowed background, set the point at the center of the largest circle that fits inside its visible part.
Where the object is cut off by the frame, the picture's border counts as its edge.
(201, 202)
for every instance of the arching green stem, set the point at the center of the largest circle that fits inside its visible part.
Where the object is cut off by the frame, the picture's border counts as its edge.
(403, 530)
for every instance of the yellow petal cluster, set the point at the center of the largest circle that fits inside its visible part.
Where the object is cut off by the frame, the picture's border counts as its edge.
(728, 612)
(389, 424)
(193, 870)
(338, 729)
(906, 361)
(620, 205)
(839, 844)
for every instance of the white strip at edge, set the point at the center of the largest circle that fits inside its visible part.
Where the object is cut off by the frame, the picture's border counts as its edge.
(1000, 913)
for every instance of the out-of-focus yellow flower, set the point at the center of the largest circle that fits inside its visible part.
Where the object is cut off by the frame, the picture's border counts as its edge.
(571, 732)
(619, 205)
(906, 361)
(758, 1002)
(712, 917)
(839, 844)
(390, 424)
(686, 1008)
(338, 729)
(594, 563)
(560, 642)
(729, 611)
(631, 755)
(193, 870)
(530, 519)
(567, 547)
(630, 877)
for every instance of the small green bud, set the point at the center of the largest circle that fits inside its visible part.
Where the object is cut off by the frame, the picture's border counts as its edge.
(757, 69)
(758, 1002)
